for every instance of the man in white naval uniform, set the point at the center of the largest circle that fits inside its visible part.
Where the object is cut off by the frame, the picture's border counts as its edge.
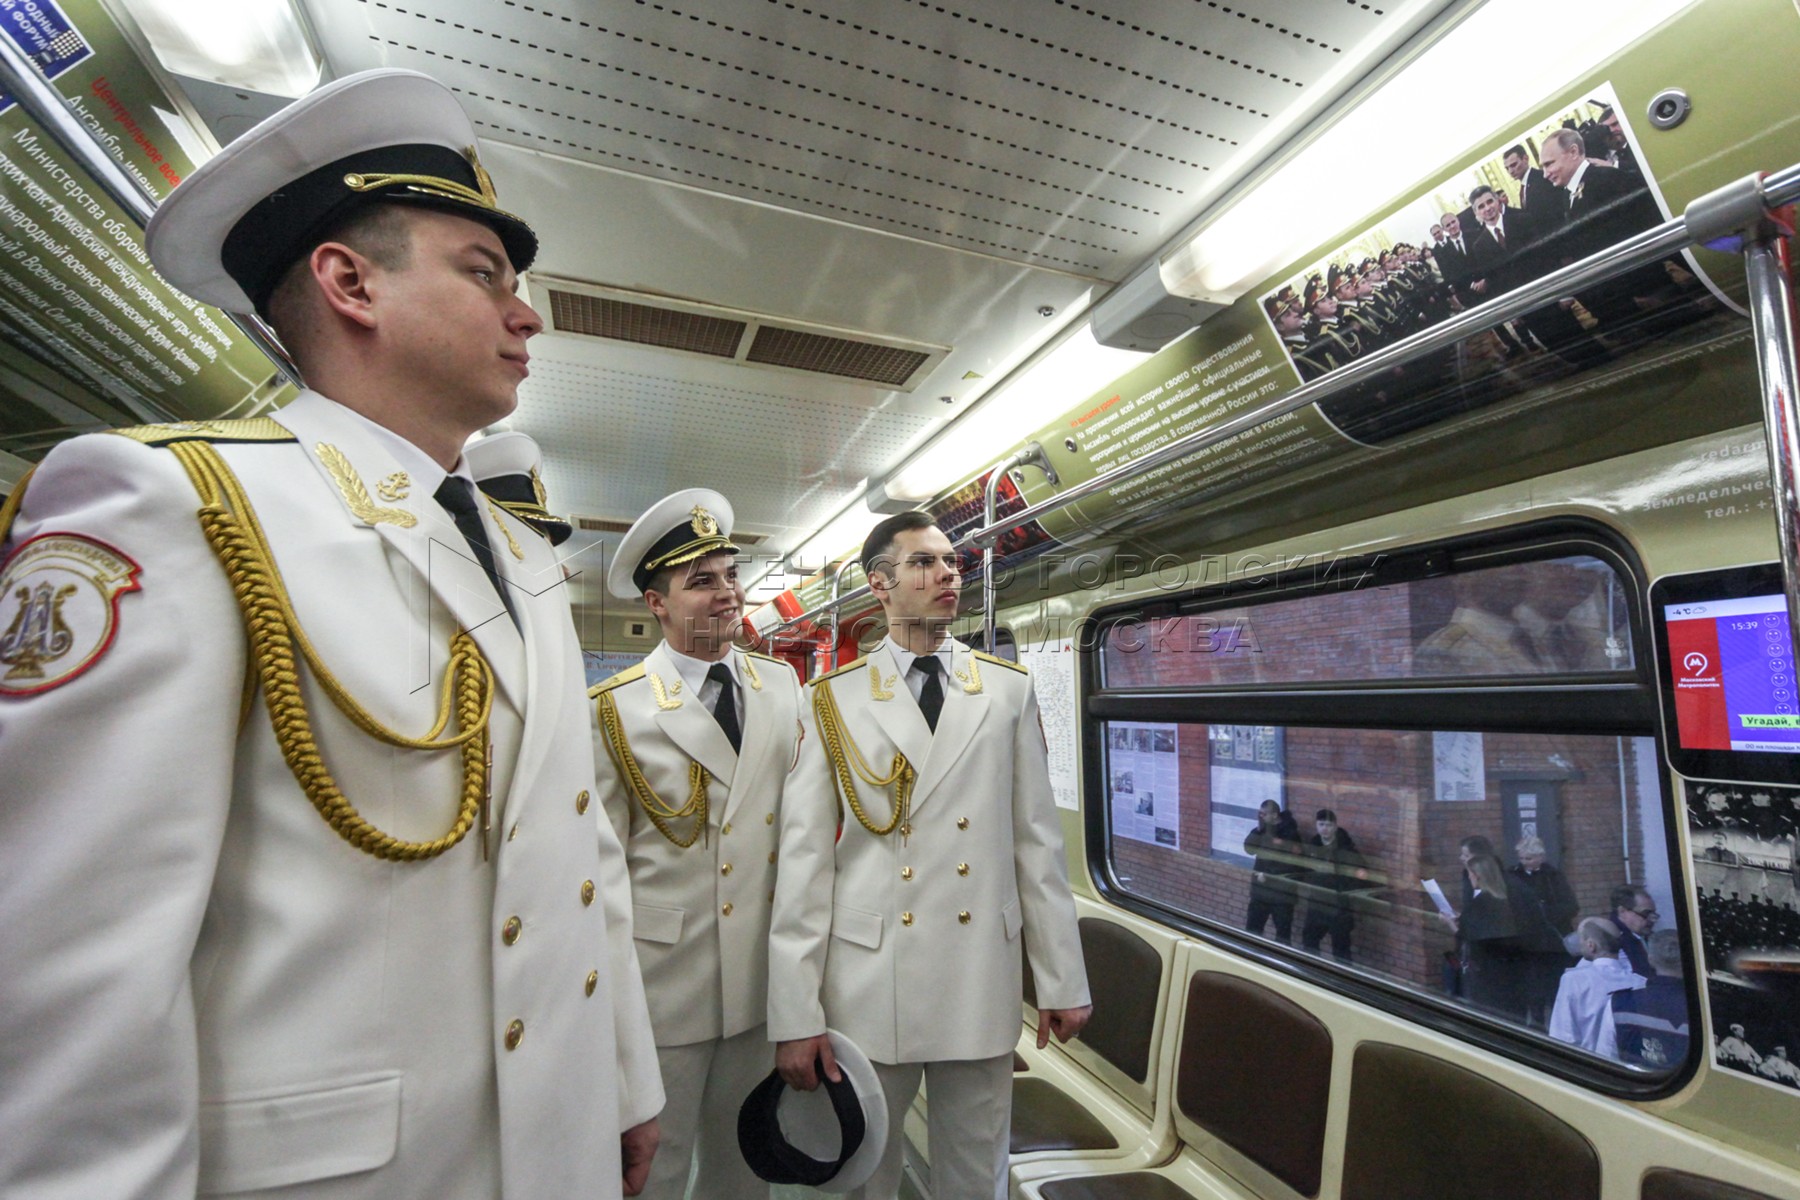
(905, 933)
(693, 746)
(306, 893)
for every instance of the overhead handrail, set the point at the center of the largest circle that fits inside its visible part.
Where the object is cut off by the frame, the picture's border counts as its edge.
(1729, 214)
(1777, 190)
(21, 77)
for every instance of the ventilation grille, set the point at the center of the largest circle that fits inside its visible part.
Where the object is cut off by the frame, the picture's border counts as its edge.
(800, 351)
(593, 311)
(622, 321)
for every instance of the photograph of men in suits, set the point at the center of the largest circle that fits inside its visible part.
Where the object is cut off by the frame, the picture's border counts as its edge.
(1604, 206)
(320, 908)
(907, 932)
(693, 745)
(1537, 197)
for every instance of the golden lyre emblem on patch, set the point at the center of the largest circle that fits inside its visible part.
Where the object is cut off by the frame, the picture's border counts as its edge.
(59, 608)
(703, 524)
(395, 486)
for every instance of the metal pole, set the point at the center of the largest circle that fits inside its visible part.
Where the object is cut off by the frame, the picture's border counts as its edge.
(837, 608)
(1772, 322)
(40, 100)
(990, 503)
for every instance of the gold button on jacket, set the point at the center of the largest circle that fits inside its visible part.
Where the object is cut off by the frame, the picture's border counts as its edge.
(509, 932)
(515, 1033)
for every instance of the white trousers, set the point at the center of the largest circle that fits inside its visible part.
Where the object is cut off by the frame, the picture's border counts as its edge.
(705, 1083)
(968, 1132)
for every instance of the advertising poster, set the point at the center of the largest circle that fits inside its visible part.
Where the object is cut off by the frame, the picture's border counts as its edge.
(1742, 839)
(80, 306)
(1563, 187)
(1248, 764)
(1052, 668)
(1143, 766)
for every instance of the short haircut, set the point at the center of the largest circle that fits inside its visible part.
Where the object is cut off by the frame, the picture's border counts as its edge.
(1600, 931)
(1325, 814)
(1664, 947)
(879, 545)
(1515, 149)
(1530, 846)
(379, 232)
(1564, 140)
(1479, 192)
(1625, 896)
(1476, 844)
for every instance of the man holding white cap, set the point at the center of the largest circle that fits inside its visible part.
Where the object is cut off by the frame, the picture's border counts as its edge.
(303, 888)
(921, 866)
(693, 745)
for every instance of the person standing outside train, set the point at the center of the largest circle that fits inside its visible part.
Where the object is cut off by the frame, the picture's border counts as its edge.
(320, 906)
(905, 933)
(693, 745)
(1634, 912)
(1336, 869)
(1274, 848)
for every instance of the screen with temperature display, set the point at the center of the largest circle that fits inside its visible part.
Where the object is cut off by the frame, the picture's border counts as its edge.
(1731, 697)
(1733, 667)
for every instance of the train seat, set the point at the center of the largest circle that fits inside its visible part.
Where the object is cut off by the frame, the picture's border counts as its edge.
(1249, 1091)
(1097, 1095)
(1421, 1126)
(1663, 1183)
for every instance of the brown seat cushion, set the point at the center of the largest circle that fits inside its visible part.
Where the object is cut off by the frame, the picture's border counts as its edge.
(1133, 1185)
(1662, 1183)
(1423, 1127)
(1255, 1071)
(1125, 975)
(1045, 1117)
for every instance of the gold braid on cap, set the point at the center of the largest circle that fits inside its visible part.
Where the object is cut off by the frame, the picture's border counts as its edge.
(436, 185)
(660, 812)
(848, 764)
(230, 525)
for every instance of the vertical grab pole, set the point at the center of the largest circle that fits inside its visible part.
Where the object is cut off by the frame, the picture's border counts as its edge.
(837, 589)
(990, 502)
(1772, 325)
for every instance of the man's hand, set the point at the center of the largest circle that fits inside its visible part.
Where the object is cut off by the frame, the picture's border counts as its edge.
(637, 1146)
(795, 1062)
(1064, 1022)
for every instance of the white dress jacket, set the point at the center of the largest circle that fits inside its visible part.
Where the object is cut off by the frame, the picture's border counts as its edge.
(701, 913)
(911, 943)
(205, 987)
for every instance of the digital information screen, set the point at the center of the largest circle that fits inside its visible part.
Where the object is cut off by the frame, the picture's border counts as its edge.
(1731, 665)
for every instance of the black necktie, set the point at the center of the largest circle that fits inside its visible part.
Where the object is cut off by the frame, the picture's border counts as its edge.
(931, 695)
(458, 499)
(725, 708)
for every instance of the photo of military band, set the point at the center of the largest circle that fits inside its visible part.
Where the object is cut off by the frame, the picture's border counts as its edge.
(1561, 190)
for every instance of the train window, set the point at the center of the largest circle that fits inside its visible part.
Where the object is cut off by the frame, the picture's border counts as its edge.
(1555, 616)
(1447, 840)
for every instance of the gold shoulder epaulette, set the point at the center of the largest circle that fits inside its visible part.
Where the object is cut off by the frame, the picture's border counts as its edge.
(768, 657)
(999, 662)
(255, 429)
(849, 666)
(636, 671)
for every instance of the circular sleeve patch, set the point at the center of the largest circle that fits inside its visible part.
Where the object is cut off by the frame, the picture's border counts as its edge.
(59, 609)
